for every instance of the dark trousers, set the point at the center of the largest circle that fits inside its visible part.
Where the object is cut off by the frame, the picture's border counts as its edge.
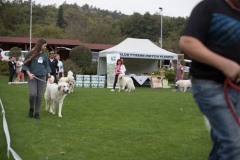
(115, 81)
(11, 75)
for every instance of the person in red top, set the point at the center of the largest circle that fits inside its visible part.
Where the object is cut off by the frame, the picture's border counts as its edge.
(119, 69)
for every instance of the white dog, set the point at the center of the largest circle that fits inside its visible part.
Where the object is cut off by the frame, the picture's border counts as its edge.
(55, 94)
(125, 82)
(183, 84)
(69, 79)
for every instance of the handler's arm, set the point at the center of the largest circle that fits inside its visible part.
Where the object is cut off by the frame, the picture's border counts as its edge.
(197, 51)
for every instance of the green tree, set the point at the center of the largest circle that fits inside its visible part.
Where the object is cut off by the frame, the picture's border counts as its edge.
(87, 24)
(82, 57)
(15, 52)
(69, 65)
(60, 20)
(141, 26)
(171, 42)
(48, 31)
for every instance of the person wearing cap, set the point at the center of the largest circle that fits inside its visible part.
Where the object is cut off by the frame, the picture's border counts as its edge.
(53, 62)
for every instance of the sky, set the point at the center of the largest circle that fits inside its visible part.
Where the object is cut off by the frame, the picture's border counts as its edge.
(172, 8)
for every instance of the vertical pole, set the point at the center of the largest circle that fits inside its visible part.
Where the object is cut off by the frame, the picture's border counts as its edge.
(160, 63)
(161, 26)
(30, 34)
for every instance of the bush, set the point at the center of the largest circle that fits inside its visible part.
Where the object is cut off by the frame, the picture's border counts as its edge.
(170, 75)
(4, 67)
(92, 70)
(70, 65)
(15, 52)
(81, 56)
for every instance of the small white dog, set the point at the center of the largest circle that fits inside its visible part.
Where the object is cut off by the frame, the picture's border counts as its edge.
(69, 79)
(125, 82)
(55, 94)
(183, 84)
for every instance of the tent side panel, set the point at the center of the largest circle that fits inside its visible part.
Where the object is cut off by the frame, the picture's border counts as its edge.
(102, 66)
(140, 66)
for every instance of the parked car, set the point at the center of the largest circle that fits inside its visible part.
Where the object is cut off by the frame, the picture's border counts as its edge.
(187, 64)
(5, 55)
(1, 54)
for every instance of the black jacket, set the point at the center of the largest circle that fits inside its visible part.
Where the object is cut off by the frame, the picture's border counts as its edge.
(53, 66)
(12, 66)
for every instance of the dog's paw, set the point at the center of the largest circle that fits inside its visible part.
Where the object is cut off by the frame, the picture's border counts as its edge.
(60, 115)
(51, 111)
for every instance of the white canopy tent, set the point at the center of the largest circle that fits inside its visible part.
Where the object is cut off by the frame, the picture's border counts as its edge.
(140, 56)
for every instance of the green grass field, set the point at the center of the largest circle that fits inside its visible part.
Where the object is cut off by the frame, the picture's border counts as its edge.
(147, 124)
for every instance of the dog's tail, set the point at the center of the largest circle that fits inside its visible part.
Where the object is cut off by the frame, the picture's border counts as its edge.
(50, 80)
(132, 85)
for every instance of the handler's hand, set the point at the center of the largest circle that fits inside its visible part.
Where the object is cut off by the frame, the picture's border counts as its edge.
(31, 76)
(232, 70)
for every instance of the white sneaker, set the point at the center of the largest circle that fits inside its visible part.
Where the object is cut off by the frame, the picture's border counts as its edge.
(112, 90)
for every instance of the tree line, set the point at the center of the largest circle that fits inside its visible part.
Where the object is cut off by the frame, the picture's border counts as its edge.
(87, 23)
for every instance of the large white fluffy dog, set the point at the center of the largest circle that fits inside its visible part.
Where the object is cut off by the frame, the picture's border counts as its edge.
(69, 79)
(183, 84)
(125, 82)
(55, 94)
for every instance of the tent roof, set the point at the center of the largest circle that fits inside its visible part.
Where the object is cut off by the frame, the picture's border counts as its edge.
(139, 48)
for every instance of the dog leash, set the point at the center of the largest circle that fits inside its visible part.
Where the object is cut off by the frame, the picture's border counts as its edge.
(39, 79)
(229, 83)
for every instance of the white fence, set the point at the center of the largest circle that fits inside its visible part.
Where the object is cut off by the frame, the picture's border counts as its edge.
(6, 131)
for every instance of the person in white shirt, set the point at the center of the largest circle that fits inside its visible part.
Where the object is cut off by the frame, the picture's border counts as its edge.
(60, 66)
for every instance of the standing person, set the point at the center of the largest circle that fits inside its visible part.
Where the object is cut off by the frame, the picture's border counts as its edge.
(37, 68)
(20, 74)
(119, 69)
(179, 72)
(54, 66)
(12, 68)
(213, 44)
(60, 66)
